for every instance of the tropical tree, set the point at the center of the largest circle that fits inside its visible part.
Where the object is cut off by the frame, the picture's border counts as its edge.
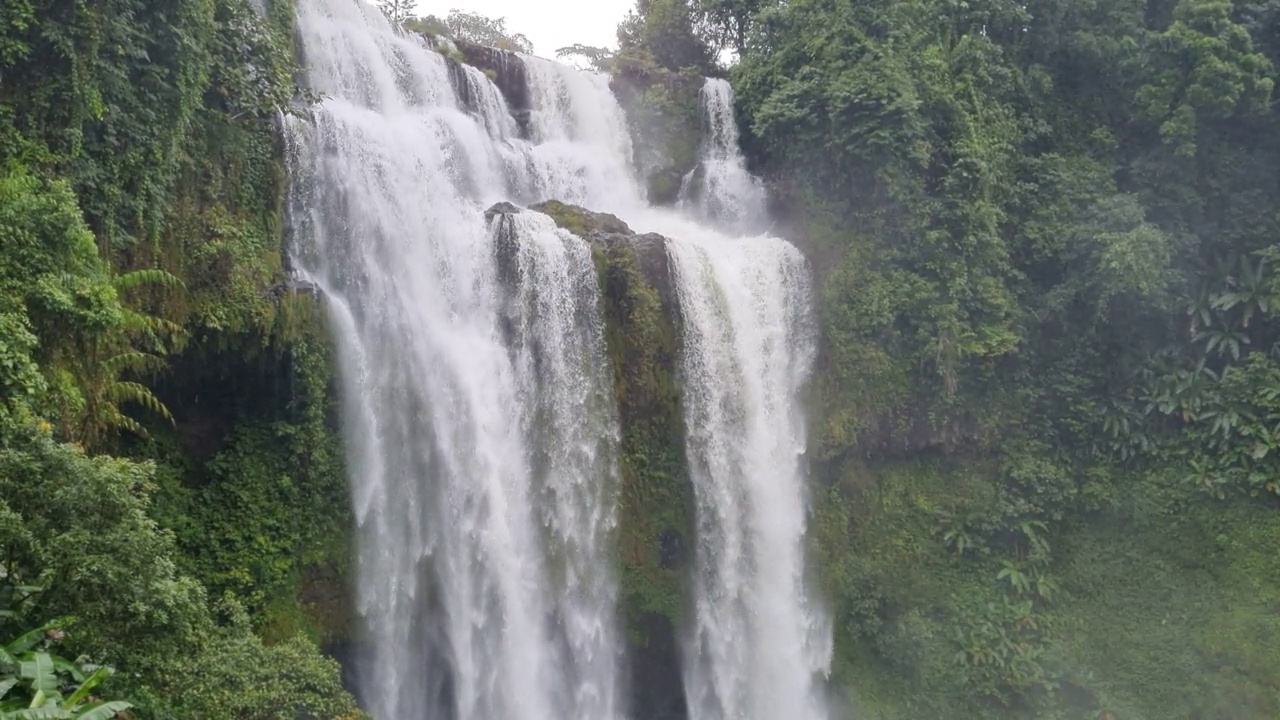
(669, 31)
(65, 308)
(35, 684)
(728, 23)
(100, 378)
(596, 58)
(483, 30)
(398, 11)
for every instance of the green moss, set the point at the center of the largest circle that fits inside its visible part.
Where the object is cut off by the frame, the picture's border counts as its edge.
(657, 499)
(656, 526)
(580, 221)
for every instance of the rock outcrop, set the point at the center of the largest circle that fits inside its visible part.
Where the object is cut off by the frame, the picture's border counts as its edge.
(609, 233)
(508, 72)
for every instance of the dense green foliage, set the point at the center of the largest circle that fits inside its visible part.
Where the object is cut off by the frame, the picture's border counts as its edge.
(658, 72)
(35, 683)
(146, 470)
(1046, 412)
(1046, 409)
(1046, 421)
(469, 27)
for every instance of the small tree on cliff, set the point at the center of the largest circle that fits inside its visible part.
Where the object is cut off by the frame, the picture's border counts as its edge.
(484, 30)
(398, 11)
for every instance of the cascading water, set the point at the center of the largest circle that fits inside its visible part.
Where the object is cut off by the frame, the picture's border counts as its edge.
(566, 398)
(760, 645)
(720, 189)
(479, 416)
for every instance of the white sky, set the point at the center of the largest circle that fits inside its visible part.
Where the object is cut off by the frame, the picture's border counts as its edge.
(549, 24)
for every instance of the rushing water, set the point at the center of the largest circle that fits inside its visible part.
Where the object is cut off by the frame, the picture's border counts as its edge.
(479, 418)
(760, 644)
(720, 189)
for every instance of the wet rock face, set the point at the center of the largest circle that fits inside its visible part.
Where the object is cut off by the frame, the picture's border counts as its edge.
(655, 265)
(664, 113)
(605, 232)
(502, 208)
(508, 72)
(500, 219)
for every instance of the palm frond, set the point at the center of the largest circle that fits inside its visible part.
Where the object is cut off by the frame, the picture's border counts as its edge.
(135, 362)
(138, 394)
(142, 278)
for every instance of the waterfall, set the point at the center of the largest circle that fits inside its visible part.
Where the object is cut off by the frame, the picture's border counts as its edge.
(478, 412)
(479, 418)
(760, 645)
(720, 189)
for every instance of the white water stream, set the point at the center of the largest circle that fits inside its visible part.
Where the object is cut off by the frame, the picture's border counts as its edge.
(760, 644)
(478, 408)
(721, 190)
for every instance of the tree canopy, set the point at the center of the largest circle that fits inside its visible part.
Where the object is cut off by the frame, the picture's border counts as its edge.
(475, 28)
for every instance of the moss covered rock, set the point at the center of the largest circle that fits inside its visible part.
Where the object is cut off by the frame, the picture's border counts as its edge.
(656, 509)
(583, 222)
(664, 113)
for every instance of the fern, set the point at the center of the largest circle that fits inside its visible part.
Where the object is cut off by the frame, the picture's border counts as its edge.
(134, 362)
(106, 393)
(104, 372)
(114, 419)
(143, 278)
(138, 394)
(162, 335)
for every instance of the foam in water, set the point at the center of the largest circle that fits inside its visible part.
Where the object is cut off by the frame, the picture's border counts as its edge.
(479, 418)
(760, 645)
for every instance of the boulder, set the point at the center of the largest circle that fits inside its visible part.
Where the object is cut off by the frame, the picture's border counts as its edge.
(580, 221)
(502, 208)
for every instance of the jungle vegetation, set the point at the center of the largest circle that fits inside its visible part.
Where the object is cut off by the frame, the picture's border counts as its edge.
(1045, 423)
(160, 387)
